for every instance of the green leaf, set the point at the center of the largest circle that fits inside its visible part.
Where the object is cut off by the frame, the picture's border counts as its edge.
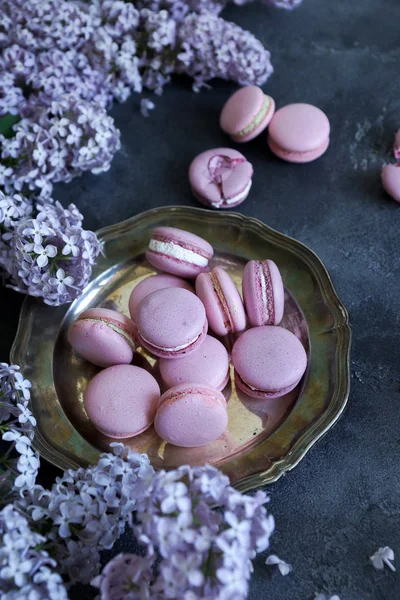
(6, 124)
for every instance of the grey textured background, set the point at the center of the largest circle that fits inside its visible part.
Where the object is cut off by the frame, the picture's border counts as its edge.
(342, 501)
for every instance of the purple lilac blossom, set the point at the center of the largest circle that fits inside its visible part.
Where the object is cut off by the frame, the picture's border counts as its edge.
(17, 425)
(25, 571)
(203, 550)
(88, 509)
(62, 141)
(213, 47)
(50, 256)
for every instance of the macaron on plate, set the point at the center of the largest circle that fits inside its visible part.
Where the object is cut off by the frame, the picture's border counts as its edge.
(183, 294)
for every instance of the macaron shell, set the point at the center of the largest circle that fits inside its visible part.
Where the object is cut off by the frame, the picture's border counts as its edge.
(241, 108)
(232, 181)
(209, 365)
(190, 416)
(152, 284)
(262, 395)
(391, 181)
(121, 401)
(170, 318)
(298, 157)
(106, 314)
(269, 358)
(186, 240)
(261, 126)
(299, 128)
(99, 343)
(225, 311)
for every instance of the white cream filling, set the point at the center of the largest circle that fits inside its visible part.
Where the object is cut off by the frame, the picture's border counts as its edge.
(176, 251)
(237, 198)
(264, 291)
(171, 349)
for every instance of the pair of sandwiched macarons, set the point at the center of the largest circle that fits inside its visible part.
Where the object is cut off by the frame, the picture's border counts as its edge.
(171, 322)
(298, 133)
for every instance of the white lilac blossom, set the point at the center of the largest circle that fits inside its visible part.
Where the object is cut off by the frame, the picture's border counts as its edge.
(87, 510)
(323, 597)
(202, 549)
(17, 423)
(62, 141)
(50, 256)
(213, 47)
(284, 567)
(382, 557)
(25, 571)
(146, 106)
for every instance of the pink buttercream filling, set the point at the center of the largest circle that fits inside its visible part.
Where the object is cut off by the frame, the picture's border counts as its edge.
(282, 391)
(270, 316)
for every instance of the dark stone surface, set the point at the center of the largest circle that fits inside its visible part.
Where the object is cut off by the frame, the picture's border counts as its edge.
(342, 502)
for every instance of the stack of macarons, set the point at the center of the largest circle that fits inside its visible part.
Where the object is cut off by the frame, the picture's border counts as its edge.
(297, 133)
(184, 326)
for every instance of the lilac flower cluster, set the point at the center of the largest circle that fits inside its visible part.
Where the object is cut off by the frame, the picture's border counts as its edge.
(213, 47)
(17, 427)
(49, 256)
(87, 509)
(103, 50)
(25, 571)
(205, 554)
(63, 63)
(56, 144)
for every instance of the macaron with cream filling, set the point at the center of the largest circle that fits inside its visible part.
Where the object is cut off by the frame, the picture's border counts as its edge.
(178, 252)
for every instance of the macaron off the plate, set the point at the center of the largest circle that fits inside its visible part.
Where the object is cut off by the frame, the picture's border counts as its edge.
(299, 133)
(247, 113)
(220, 178)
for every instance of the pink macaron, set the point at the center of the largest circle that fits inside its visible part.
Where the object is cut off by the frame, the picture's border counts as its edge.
(247, 113)
(391, 180)
(121, 401)
(103, 337)
(178, 252)
(152, 284)
(191, 415)
(222, 301)
(171, 322)
(263, 293)
(220, 178)
(269, 362)
(396, 145)
(209, 365)
(299, 133)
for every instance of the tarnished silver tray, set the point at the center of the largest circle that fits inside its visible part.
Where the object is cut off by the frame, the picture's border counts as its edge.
(264, 438)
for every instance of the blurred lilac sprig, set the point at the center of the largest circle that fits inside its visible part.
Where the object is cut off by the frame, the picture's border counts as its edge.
(47, 255)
